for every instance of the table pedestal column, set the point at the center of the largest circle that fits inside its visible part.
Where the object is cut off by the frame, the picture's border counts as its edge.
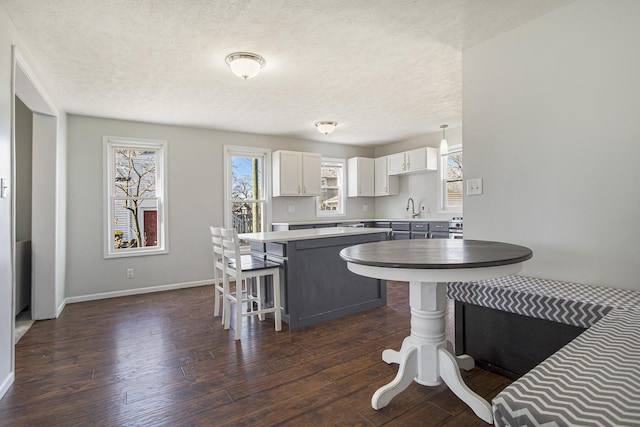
(426, 356)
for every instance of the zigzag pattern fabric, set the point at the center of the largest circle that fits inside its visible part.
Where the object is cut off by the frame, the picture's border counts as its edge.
(592, 381)
(564, 302)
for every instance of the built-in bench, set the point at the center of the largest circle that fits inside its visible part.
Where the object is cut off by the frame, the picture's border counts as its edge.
(585, 341)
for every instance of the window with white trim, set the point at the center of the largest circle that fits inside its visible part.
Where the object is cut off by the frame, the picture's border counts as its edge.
(451, 177)
(135, 197)
(332, 178)
(247, 171)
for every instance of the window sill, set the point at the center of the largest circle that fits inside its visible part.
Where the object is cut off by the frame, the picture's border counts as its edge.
(133, 253)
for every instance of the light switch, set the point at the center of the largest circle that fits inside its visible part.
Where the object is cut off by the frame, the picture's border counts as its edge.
(474, 187)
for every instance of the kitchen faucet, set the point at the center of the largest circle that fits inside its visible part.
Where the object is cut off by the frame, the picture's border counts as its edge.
(413, 208)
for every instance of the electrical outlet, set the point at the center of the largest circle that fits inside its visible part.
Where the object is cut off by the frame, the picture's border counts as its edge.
(365, 207)
(291, 208)
(129, 273)
(474, 187)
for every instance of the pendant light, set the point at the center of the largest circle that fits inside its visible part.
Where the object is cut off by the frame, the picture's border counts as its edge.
(444, 147)
(244, 64)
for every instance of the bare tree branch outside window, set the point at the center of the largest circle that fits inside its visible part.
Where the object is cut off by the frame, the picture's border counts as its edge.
(135, 188)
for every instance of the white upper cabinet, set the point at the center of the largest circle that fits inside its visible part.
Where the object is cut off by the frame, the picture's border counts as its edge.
(360, 182)
(396, 164)
(384, 185)
(296, 174)
(418, 160)
(311, 174)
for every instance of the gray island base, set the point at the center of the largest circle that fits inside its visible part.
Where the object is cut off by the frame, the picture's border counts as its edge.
(316, 285)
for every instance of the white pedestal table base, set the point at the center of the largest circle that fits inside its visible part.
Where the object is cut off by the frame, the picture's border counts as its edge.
(426, 356)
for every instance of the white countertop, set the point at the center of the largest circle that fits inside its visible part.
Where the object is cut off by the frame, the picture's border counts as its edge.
(349, 221)
(313, 233)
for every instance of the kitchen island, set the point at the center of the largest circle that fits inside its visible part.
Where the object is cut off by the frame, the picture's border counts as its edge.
(316, 285)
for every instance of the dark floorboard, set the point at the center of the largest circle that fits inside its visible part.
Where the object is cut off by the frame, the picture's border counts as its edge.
(163, 359)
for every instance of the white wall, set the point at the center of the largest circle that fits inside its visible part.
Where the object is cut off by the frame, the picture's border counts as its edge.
(24, 155)
(550, 123)
(7, 35)
(195, 186)
(422, 187)
(8, 38)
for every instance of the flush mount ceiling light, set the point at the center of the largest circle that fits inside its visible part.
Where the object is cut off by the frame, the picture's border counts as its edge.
(244, 64)
(444, 147)
(326, 127)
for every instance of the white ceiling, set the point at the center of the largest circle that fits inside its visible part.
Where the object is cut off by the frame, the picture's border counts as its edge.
(385, 70)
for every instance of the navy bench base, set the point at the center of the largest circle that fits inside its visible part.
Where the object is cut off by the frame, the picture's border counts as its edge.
(506, 343)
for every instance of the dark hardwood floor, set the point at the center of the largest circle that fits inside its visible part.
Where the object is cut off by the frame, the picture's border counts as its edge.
(163, 359)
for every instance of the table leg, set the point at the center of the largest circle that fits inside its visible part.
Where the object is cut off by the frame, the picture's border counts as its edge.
(450, 374)
(406, 373)
(426, 356)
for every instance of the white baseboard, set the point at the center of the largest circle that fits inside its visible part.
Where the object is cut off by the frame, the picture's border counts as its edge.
(6, 384)
(114, 294)
(61, 307)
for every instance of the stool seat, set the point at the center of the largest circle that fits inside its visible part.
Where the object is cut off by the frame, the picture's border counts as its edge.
(253, 263)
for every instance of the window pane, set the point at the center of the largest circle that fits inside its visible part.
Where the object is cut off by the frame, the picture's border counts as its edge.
(135, 173)
(454, 194)
(135, 221)
(331, 201)
(454, 165)
(452, 184)
(246, 178)
(247, 217)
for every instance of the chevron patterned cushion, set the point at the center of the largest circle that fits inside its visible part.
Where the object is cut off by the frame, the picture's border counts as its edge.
(592, 381)
(569, 303)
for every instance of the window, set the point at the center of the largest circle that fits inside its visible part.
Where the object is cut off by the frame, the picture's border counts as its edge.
(246, 197)
(452, 176)
(135, 201)
(332, 201)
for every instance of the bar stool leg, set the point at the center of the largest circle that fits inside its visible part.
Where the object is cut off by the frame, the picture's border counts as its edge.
(276, 299)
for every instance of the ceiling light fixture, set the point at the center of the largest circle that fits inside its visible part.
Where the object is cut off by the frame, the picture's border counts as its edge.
(326, 127)
(244, 64)
(444, 147)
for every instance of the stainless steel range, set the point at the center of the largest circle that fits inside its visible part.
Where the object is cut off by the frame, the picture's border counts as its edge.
(455, 228)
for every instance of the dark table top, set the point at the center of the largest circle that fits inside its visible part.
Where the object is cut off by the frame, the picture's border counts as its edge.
(435, 254)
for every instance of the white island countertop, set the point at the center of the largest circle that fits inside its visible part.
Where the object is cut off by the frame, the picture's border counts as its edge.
(357, 220)
(312, 233)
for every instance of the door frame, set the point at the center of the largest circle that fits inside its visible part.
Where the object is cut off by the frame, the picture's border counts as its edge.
(48, 191)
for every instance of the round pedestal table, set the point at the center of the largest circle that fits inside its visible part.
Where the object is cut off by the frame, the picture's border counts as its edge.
(426, 356)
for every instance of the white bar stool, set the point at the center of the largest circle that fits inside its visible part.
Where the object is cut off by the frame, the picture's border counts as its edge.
(250, 267)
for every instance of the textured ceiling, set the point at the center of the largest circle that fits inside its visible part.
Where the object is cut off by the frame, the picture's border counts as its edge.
(385, 70)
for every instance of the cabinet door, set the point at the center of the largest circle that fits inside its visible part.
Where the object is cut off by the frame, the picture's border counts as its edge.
(365, 177)
(311, 171)
(384, 185)
(417, 159)
(287, 173)
(360, 177)
(396, 163)
(422, 159)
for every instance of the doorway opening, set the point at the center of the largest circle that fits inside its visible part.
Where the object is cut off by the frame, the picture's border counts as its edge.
(23, 160)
